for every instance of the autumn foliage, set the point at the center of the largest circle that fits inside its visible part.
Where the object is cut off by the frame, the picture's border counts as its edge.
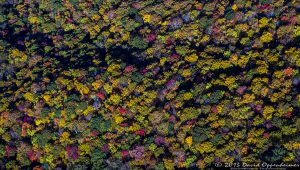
(111, 84)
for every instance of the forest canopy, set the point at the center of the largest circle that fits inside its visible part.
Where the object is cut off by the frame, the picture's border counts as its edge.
(153, 84)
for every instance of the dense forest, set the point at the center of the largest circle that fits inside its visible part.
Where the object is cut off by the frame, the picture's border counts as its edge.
(152, 84)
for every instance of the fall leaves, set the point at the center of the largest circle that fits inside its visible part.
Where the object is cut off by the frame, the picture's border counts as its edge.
(148, 84)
